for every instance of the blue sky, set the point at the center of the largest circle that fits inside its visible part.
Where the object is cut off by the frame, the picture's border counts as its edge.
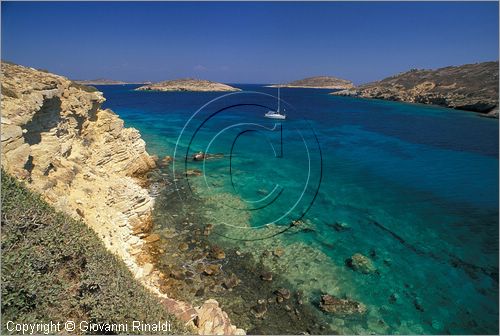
(247, 42)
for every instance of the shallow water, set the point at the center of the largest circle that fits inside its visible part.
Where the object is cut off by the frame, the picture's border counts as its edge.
(416, 186)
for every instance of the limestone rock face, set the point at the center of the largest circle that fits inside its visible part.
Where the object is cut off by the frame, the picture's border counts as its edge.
(212, 320)
(471, 87)
(56, 138)
(82, 159)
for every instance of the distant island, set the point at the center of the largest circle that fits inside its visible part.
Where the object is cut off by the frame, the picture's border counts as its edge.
(470, 87)
(103, 81)
(188, 84)
(319, 82)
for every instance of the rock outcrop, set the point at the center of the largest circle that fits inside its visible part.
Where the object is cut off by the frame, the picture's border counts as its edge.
(471, 87)
(57, 139)
(188, 84)
(341, 307)
(319, 82)
(361, 263)
(211, 320)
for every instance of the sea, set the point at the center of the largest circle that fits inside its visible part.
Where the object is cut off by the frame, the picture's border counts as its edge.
(411, 188)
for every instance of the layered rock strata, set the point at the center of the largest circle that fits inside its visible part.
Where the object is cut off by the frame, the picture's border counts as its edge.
(57, 139)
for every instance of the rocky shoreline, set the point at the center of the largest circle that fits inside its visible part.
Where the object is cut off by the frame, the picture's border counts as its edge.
(192, 266)
(56, 138)
(188, 84)
(318, 82)
(469, 87)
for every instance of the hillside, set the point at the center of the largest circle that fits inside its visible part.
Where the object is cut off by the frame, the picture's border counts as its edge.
(471, 87)
(320, 82)
(187, 84)
(56, 268)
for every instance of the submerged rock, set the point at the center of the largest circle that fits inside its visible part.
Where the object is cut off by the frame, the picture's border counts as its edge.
(341, 307)
(208, 229)
(217, 252)
(232, 281)
(199, 156)
(166, 160)
(341, 226)
(418, 304)
(283, 293)
(193, 172)
(279, 252)
(259, 310)
(266, 276)
(361, 263)
(200, 291)
(213, 269)
(177, 275)
(393, 298)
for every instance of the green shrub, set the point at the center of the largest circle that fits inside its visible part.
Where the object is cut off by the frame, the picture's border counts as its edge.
(55, 268)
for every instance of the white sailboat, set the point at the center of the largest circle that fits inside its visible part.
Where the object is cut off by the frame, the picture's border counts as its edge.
(276, 114)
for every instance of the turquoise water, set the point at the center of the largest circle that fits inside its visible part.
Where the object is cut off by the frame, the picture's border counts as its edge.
(416, 185)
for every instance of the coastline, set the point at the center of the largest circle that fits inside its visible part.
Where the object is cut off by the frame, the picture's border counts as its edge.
(194, 264)
(307, 87)
(61, 144)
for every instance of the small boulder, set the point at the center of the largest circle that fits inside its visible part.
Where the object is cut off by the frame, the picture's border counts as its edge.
(213, 269)
(217, 253)
(231, 281)
(341, 307)
(166, 160)
(279, 252)
(200, 292)
(183, 246)
(193, 172)
(361, 263)
(177, 275)
(341, 226)
(393, 298)
(151, 238)
(200, 156)
(418, 304)
(208, 229)
(284, 293)
(259, 310)
(266, 276)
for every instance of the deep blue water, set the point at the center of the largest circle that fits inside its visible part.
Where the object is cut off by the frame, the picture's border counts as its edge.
(417, 186)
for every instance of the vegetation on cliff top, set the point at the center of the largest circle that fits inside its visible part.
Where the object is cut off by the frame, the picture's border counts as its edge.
(55, 268)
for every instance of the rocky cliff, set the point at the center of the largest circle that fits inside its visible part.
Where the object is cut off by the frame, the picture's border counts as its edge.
(187, 84)
(471, 87)
(57, 139)
(319, 82)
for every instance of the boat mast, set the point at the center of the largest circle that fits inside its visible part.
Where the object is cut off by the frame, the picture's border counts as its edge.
(279, 86)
